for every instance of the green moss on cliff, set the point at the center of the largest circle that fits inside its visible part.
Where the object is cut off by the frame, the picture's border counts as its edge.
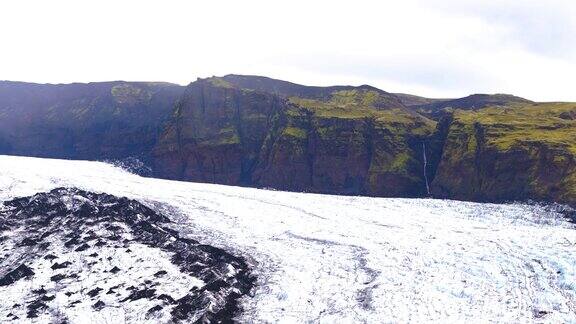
(521, 125)
(220, 83)
(128, 94)
(354, 97)
(355, 104)
(329, 109)
(517, 151)
(226, 136)
(295, 132)
(357, 141)
(400, 162)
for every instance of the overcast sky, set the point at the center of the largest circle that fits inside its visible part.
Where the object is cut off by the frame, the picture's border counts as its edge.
(435, 48)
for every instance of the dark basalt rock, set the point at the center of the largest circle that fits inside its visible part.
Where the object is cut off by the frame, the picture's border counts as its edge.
(35, 307)
(82, 247)
(40, 291)
(99, 305)
(94, 292)
(50, 257)
(62, 265)
(155, 309)
(167, 299)
(160, 273)
(29, 242)
(139, 294)
(47, 297)
(22, 271)
(57, 277)
(568, 115)
(74, 214)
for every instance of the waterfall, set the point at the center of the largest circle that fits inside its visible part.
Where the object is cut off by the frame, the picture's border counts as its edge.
(425, 164)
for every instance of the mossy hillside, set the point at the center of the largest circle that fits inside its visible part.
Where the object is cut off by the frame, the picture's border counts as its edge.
(355, 97)
(130, 94)
(372, 147)
(220, 82)
(330, 109)
(518, 125)
(570, 193)
(414, 101)
(214, 114)
(295, 132)
(285, 155)
(457, 167)
(342, 102)
(517, 151)
(325, 153)
(361, 104)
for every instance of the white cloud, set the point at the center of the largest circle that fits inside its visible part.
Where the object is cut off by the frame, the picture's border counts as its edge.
(441, 48)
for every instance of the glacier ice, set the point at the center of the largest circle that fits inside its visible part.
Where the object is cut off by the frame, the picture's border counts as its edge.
(324, 258)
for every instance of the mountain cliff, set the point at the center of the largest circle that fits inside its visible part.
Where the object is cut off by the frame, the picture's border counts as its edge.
(262, 132)
(106, 120)
(514, 152)
(336, 140)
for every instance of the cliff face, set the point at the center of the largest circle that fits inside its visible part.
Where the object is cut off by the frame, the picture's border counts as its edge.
(256, 131)
(512, 152)
(354, 141)
(110, 120)
(216, 133)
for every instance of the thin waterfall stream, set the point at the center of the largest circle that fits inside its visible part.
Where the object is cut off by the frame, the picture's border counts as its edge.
(425, 164)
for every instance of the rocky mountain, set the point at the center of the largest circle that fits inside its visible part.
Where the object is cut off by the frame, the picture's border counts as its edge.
(107, 120)
(261, 132)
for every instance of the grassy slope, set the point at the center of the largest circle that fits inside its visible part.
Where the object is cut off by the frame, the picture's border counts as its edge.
(518, 125)
(358, 104)
(532, 143)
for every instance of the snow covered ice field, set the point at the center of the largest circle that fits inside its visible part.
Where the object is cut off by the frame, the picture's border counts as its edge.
(336, 259)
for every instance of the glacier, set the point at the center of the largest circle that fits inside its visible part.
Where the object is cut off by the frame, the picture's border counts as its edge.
(341, 259)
